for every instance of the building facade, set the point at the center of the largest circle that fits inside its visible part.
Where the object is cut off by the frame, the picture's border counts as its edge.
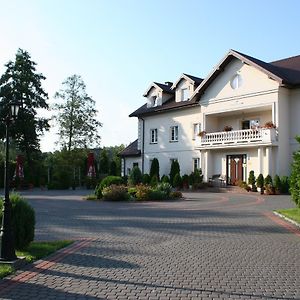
(243, 116)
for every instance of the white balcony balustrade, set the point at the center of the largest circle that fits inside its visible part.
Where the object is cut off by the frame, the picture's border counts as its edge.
(238, 137)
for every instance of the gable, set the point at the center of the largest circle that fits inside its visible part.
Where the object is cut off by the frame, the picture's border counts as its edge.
(252, 81)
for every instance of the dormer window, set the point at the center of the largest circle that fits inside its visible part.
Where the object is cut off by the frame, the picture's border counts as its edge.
(184, 94)
(154, 101)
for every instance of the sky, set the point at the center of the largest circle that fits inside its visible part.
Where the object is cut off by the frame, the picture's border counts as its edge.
(120, 46)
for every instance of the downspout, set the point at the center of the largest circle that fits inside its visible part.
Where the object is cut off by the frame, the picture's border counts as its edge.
(143, 144)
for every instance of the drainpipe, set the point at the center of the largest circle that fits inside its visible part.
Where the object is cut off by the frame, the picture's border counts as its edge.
(143, 144)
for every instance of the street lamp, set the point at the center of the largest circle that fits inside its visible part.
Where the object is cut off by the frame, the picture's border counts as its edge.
(7, 249)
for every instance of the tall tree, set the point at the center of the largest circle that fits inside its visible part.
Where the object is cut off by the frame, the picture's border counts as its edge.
(22, 82)
(76, 115)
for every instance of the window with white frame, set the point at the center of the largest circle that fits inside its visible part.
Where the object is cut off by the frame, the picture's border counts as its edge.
(196, 163)
(174, 134)
(184, 94)
(196, 130)
(154, 101)
(153, 136)
(172, 160)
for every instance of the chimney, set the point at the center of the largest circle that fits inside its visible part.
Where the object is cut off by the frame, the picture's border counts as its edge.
(169, 83)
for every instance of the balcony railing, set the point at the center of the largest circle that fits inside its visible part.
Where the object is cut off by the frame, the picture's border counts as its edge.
(236, 137)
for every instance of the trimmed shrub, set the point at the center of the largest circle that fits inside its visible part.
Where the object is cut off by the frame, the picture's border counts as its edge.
(252, 180)
(175, 169)
(115, 193)
(23, 221)
(154, 181)
(260, 183)
(285, 184)
(157, 195)
(135, 176)
(146, 179)
(277, 184)
(143, 192)
(164, 187)
(107, 181)
(165, 179)
(268, 180)
(176, 195)
(177, 182)
(154, 169)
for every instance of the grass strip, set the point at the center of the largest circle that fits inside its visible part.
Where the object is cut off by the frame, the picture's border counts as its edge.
(291, 213)
(35, 251)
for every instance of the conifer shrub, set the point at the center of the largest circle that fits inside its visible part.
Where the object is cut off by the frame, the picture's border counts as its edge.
(285, 184)
(154, 169)
(177, 182)
(23, 221)
(295, 176)
(277, 184)
(165, 179)
(154, 181)
(135, 176)
(146, 179)
(260, 183)
(268, 180)
(252, 180)
(185, 181)
(175, 169)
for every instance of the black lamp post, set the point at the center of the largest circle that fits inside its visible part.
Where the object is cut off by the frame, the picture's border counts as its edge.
(7, 249)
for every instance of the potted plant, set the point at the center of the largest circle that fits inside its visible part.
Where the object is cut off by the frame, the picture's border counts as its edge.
(202, 133)
(269, 125)
(227, 128)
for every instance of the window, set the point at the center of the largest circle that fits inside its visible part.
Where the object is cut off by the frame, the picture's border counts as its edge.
(236, 81)
(154, 101)
(196, 162)
(250, 124)
(196, 130)
(153, 136)
(174, 134)
(128, 171)
(184, 94)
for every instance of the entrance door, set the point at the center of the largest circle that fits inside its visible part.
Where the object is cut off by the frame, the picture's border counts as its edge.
(236, 165)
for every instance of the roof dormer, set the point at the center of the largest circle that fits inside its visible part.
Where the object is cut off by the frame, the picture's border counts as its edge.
(158, 93)
(185, 86)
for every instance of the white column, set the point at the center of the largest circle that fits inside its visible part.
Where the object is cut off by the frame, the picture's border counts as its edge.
(260, 154)
(269, 161)
(207, 165)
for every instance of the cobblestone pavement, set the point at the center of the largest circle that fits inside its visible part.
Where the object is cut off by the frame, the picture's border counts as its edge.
(208, 246)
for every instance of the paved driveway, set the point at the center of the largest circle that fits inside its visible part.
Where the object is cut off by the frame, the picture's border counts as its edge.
(209, 246)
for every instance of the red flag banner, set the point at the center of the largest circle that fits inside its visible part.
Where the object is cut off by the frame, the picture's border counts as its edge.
(91, 172)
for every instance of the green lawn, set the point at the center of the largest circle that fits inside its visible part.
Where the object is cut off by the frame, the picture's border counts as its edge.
(291, 213)
(35, 251)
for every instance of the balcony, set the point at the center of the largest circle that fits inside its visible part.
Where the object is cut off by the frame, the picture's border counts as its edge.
(237, 138)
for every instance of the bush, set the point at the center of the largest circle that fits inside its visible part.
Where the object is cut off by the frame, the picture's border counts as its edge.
(268, 180)
(252, 180)
(146, 179)
(185, 181)
(91, 197)
(176, 195)
(23, 221)
(177, 182)
(132, 191)
(154, 181)
(164, 187)
(113, 168)
(143, 192)
(107, 181)
(154, 169)
(270, 190)
(165, 179)
(285, 184)
(277, 184)
(115, 193)
(260, 181)
(135, 176)
(157, 195)
(175, 169)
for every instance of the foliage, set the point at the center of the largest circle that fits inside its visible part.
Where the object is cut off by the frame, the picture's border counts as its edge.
(90, 182)
(135, 176)
(106, 182)
(251, 178)
(113, 168)
(175, 169)
(146, 179)
(177, 181)
(285, 184)
(91, 197)
(154, 169)
(143, 192)
(185, 181)
(268, 180)
(164, 187)
(76, 115)
(5, 270)
(175, 195)
(196, 179)
(277, 183)
(23, 220)
(260, 181)
(270, 189)
(104, 162)
(295, 176)
(21, 82)
(165, 179)
(154, 181)
(115, 193)
(132, 191)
